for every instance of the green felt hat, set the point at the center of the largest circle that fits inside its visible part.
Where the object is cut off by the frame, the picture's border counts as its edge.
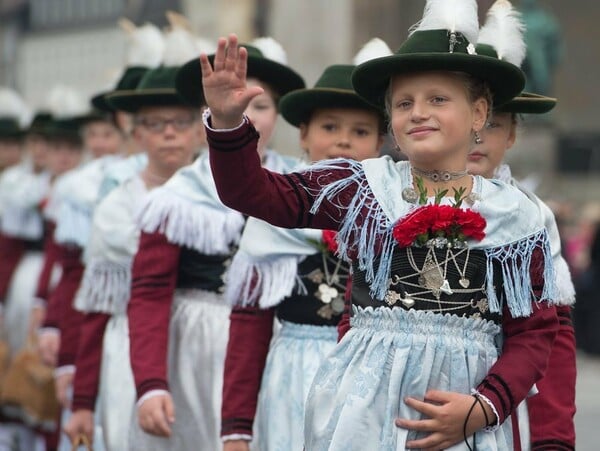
(525, 102)
(128, 81)
(437, 50)
(39, 123)
(279, 76)
(63, 128)
(156, 88)
(10, 129)
(333, 89)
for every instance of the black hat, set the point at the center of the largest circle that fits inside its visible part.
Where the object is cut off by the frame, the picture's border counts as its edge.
(156, 88)
(333, 89)
(441, 42)
(277, 75)
(128, 81)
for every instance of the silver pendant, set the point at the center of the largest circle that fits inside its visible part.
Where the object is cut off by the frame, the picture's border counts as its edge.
(445, 288)
(464, 282)
(391, 297)
(408, 302)
(410, 195)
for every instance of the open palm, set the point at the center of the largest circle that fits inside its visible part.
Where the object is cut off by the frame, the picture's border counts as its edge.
(225, 89)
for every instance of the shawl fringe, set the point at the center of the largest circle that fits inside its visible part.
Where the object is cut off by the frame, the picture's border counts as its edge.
(105, 287)
(260, 282)
(185, 223)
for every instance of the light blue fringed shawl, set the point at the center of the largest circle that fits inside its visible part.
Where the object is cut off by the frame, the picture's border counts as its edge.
(514, 227)
(76, 199)
(564, 281)
(106, 283)
(21, 193)
(188, 211)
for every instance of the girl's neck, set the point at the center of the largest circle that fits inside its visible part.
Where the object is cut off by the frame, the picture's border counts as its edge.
(459, 179)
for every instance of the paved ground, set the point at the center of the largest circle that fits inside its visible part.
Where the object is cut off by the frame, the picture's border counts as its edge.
(587, 419)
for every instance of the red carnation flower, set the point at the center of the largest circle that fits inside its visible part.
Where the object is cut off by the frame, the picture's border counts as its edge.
(472, 224)
(330, 240)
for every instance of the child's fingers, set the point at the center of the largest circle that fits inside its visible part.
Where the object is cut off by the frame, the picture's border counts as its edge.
(231, 55)
(205, 66)
(169, 409)
(219, 61)
(241, 68)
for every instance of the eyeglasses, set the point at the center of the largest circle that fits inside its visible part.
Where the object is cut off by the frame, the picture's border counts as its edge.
(158, 125)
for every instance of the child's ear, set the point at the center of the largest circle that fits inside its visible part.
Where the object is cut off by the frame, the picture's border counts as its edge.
(304, 136)
(480, 113)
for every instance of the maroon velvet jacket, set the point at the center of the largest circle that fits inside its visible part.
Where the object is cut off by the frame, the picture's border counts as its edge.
(154, 277)
(285, 201)
(11, 251)
(88, 361)
(51, 251)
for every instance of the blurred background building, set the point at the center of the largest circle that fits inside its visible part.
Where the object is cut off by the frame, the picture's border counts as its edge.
(77, 42)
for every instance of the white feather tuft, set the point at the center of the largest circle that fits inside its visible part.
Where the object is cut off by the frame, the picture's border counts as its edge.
(204, 45)
(453, 15)
(146, 47)
(270, 49)
(13, 106)
(504, 31)
(375, 48)
(64, 102)
(180, 47)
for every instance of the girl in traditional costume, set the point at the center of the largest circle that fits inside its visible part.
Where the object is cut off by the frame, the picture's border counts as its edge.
(445, 264)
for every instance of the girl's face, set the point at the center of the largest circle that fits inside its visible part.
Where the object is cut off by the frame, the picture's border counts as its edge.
(497, 137)
(433, 119)
(262, 111)
(10, 153)
(37, 148)
(341, 133)
(102, 138)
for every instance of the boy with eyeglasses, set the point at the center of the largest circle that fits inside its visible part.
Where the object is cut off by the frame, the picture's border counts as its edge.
(169, 130)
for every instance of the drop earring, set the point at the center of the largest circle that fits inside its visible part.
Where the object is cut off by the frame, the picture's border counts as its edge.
(478, 139)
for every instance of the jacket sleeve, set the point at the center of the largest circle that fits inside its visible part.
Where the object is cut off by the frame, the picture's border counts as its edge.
(552, 410)
(153, 281)
(250, 333)
(89, 361)
(284, 200)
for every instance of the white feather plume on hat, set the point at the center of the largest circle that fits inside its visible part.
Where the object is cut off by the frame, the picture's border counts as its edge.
(145, 44)
(452, 15)
(64, 102)
(13, 106)
(504, 31)
(180, 43)
(270, 49)
(375, 48)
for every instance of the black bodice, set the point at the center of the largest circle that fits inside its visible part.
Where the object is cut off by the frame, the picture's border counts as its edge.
(318, 297)
(443, 280)
(201, 271)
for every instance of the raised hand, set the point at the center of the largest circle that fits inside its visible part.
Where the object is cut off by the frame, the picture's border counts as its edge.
(225, 89)
(446, 412)
(156, 414)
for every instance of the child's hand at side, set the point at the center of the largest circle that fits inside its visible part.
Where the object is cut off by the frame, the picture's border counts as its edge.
(157, 414)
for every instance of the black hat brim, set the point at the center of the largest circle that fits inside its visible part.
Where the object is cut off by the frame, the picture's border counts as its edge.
(298, 106)
(371, 79)
(279, 77)
(133, 101)
(528, 103)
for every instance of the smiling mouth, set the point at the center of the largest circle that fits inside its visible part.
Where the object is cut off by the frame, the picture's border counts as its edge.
(421, 130)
